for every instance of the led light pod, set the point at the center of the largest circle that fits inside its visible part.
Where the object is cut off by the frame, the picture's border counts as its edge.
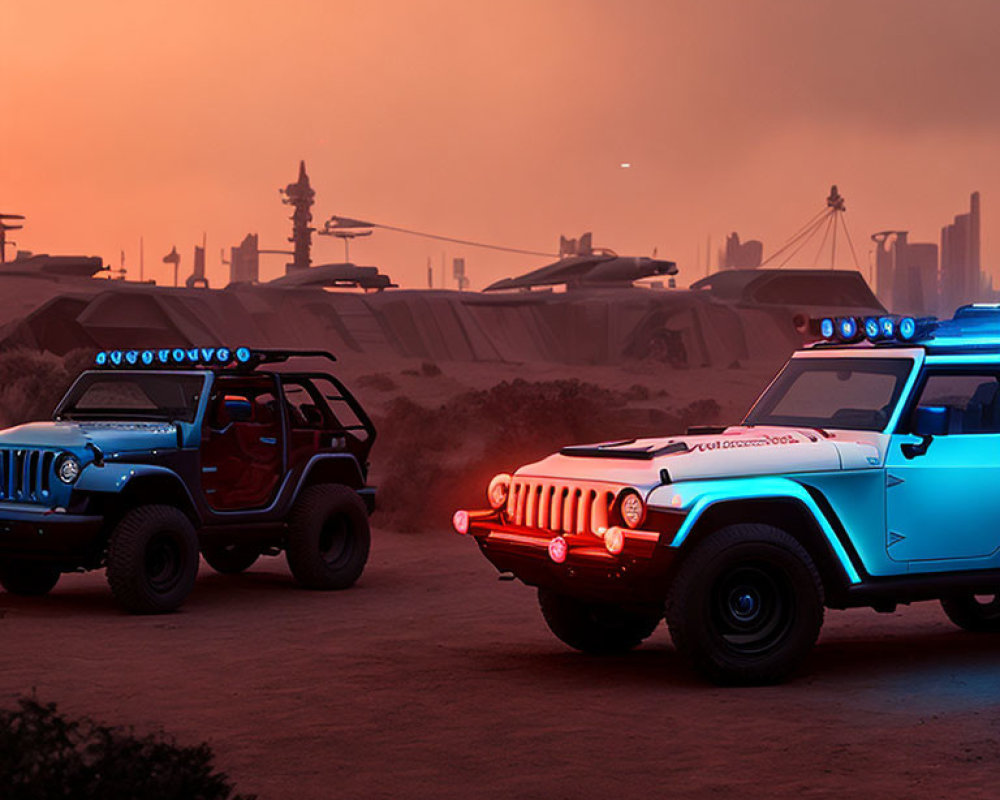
(558, 549)
(498, 490)
(101, 359)
(614, 540)
(907, 328)
(827, 328)
(631, 508)
(68, 468)
(888, 327)
(847, 328)
(873, 330)
(460, 521)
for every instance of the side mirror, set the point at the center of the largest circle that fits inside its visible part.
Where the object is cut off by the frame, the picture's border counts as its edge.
(930, 420)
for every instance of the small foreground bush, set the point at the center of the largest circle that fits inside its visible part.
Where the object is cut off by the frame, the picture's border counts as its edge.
(45, 755)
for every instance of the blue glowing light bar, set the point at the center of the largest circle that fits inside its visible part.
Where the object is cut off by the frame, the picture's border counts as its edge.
(175, 357)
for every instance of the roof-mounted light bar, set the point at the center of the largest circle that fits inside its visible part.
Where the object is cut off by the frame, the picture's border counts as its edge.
(179, 357)
(888, 329)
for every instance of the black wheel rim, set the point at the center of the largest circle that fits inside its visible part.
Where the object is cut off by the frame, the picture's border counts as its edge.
(751, 607)
(335, 540)
(163, 563)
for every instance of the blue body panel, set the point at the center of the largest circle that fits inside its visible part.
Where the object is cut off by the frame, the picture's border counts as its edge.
(695, 497)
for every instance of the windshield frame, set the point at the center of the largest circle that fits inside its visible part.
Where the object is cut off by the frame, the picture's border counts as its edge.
(914, 356)
(125, 415)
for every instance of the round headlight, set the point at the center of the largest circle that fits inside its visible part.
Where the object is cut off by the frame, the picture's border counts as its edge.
(631, 508)
(498, 491)
(68, 468)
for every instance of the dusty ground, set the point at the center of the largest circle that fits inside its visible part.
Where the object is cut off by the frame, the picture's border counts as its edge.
(432, 679)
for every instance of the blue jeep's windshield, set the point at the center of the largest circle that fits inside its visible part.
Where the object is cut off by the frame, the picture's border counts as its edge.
(851, 393)
(154, 396)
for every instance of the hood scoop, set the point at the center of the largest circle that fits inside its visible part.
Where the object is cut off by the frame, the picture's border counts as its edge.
(622, 450)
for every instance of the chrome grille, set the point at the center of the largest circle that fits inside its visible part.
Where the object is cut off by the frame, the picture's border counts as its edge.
(26, 475)
(560, 506)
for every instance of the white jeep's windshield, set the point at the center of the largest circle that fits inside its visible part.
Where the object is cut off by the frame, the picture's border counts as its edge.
(165, 396)
(852, 393)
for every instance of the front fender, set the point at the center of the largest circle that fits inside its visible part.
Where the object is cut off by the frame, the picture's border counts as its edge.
(694, 498)
(114, 477)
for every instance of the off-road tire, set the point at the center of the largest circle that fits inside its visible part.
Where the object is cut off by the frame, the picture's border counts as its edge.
(230, 559)
(152, 559)
(599, 628)
(28, 578)
(328, 537)
(746, 605)
(969, 614)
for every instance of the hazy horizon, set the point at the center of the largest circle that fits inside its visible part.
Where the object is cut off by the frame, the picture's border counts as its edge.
(500, 124)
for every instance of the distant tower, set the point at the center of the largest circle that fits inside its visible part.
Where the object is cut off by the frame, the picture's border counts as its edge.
(197, 279)
(173, 257)
(300, 196)
(961, 268)
(244, 261)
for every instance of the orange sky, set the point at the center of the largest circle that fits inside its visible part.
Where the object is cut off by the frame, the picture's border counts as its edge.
(504, 122)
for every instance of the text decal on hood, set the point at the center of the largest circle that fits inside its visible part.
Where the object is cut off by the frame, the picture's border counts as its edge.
(759, 441)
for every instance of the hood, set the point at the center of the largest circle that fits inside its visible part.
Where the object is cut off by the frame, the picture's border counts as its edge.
(110, 437)
(734, 452)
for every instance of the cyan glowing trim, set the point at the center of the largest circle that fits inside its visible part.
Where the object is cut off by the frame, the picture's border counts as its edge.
(964, 358)
(919, 357)
(696, 497)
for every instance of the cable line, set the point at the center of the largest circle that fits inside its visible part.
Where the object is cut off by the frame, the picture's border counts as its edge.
(345, 222)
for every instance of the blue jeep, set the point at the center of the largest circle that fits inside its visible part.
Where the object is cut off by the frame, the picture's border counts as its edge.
(865, 475)
(157, 454)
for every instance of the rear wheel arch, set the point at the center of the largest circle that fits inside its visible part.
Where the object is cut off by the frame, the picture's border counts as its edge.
(785, 513)
(343, 470)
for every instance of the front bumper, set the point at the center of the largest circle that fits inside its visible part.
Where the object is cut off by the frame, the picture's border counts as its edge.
(589, 570)
(43, 533)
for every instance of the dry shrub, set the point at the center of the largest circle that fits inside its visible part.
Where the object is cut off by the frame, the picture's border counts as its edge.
(430, 461)
(44, 754)
(378, 381)
(33, 381)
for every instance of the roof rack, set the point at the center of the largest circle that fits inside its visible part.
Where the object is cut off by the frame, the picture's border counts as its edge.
(279, 356)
